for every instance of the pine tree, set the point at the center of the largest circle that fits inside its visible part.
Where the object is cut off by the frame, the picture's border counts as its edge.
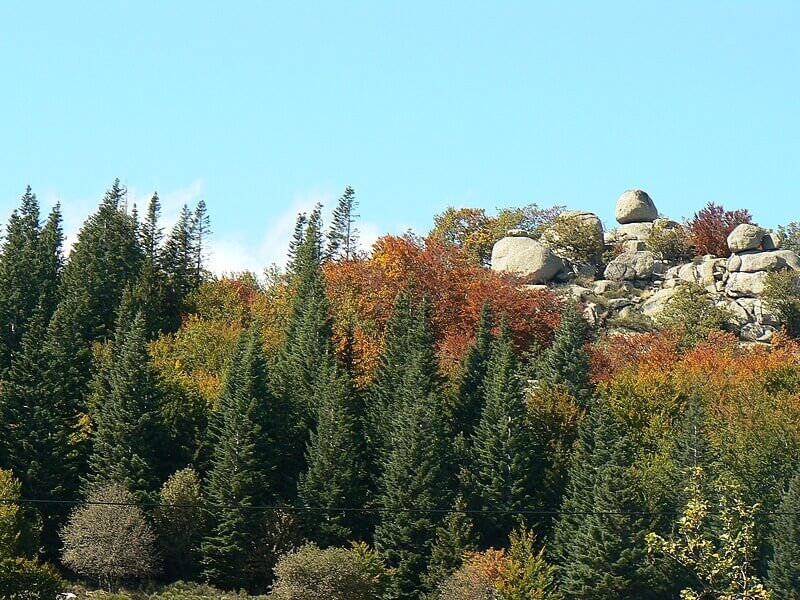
(474, 370)
(201, 231)
(151, 289)
(784, 568)
(607, 557)
(151, 234)
(418, 472)
(297, 240)
(566, 362)
(454, 539)
(19, 287)
(178, 260)
(337, 464)
(104, 261)
(505, 465)
(128, 436)
(248, 434)
(343, 235)
(50, 262)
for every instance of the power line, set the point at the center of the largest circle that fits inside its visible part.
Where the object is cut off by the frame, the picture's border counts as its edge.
(351, 509)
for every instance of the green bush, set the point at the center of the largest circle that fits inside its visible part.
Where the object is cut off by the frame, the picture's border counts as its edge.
(670, 243)
(575, 239)
(311, 573)
(782, 295)
(25, 579)
(692, 313)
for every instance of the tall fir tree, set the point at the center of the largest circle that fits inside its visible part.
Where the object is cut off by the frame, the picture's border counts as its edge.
(472, 379)
(455, 538)
(248, 432)
(783, 578)
(152, 290)
(606, 558)
(104, 261)
(343, 235)
(307, 350)
(128, 436)
(296, 242)
(19, 286)
(201, 232)
(418, 473)
(178, 263)
(566, 362)
(50, 262)
(337, 464)
(506, 463)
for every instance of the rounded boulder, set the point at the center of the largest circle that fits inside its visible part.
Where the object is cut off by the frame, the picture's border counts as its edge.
(635, 206)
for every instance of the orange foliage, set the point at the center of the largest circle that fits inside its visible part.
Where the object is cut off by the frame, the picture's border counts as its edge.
(710, 227)
(362, 294)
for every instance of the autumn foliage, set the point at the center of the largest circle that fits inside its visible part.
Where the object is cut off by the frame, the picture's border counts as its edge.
(362, 293)
(711, 226)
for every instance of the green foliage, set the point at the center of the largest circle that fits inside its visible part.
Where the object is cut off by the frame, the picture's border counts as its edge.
(245, 470)
(26, 579)
(454, 539)
(790, 234)
(784, 575)
(720, 556)
(670, 243)
(180, 523)
(566, 361)
(693, 314)
(575, 239)
(18, 532)
(310, 573)
(505, 466)
(109, 538)
(472, 378)
(337, 474)
(528, 575)
(129, 435)
(782, 295)
(343, 235)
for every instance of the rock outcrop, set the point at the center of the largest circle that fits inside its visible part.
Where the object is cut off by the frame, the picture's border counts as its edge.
(635, 206)
(528, 259)
(746, 237)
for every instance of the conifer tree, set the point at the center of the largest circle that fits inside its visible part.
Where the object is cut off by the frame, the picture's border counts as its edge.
(50, 262)
(418, 472)
(151, 290)
(19, 287)
(297, 240)
(178, 263)
(454, 539)
(784, 568)
(474, 370)
(248, 434)
(607, 556)
(104, 261)
(337, 464)
(128, 435)
(566, 362)
(343, 235)
(505, 465)
(201, 231)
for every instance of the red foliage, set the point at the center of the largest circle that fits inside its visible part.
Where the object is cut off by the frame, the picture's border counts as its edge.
(611, 355)
(710, 228)
(362, 294)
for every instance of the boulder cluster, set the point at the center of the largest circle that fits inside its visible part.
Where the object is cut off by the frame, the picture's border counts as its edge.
(637, 283)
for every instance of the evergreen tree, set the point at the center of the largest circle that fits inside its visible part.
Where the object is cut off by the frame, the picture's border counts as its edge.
(151, 234)
(151, 290)
(343, 235)
(505, 465)
(248, 434)
(201, 231)
(50, 262)
(454, 538)
(607, 557)
(178, 260)
(784, 569)
(418, 472)
(566, 362)
(472, 378)
(128, 436)
(337, 464)
(179, 523)
(104, 261)
(297, 240)
(19, 286)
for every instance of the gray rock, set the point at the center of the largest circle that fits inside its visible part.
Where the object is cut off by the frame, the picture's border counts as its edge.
(603, 286)
(633, 231)
(746, 237)
(630, 266)
(746, 284)
(517, 233)
(526, 258)
(656, 303)
(754, 332)
(635, 206)
(738, 316)
(634, 246)
(772, 241)
(771, 260)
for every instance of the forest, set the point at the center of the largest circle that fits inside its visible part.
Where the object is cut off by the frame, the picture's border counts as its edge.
(395, 423)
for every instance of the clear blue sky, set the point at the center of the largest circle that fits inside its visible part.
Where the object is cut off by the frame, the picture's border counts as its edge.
(263, 107)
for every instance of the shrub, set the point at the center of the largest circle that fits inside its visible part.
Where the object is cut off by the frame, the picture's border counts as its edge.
(477, 578)
(673, 243)
(528, 576)
(791, 236)
(575, 239)
(711, 226)
(179, 522)
(310, 573)
(109, 538)
(692, 314)
(782, 295)
(25, 579)
(196, 591)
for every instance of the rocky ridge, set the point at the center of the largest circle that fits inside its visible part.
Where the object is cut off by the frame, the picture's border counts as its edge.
(637, 285)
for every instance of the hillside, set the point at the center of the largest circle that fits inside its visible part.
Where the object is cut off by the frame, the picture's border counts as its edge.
(514, 405)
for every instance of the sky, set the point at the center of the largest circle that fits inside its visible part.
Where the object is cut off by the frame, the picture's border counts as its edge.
(264, 108)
